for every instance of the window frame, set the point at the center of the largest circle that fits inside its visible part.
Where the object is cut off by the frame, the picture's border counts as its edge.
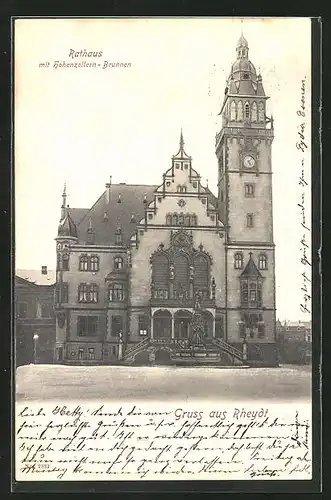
(263, 262)
(250, 220)
(249, 190)
(118, 262)
(116, 292)
(87, 326)
(143, 325)
(238, 260)
(120, 323)
(94, 263)
(83, 262)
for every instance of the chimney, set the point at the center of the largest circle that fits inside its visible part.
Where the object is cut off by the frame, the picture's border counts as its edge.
(43, 269)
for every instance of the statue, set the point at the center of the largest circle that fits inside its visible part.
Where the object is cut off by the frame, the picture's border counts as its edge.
(197, 324)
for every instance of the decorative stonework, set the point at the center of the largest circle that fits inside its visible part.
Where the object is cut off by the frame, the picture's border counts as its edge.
(181, 203)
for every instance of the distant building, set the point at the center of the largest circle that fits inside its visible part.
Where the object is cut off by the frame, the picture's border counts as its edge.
(35, 318)
(129, 269)
(294, 340)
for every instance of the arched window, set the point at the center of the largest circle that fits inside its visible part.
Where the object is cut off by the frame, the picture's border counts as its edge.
(83, 292)
(179, 189)
(263, 261)
(168, 220)
(160, 276)
(240, 115)
(118, 263)
(181, 219)
(183, 189)
(181, 276)
(233, 111)
(65, 262)
(83, 263)
(261, 112)
(175, 220)
(162, 324)
(201, 275)
(93, 293)
(187, 220)
(194, 220)
(94, 263)
(247, 111)
(254, 112)
(238, 260)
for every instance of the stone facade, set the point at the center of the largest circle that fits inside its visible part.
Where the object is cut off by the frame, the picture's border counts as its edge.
(133, 269)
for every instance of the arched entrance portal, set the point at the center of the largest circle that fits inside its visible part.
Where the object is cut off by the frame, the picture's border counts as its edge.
(208, 322)
(182, 324)
(162, 322)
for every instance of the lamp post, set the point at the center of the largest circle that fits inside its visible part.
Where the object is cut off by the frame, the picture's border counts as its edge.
(35, 345)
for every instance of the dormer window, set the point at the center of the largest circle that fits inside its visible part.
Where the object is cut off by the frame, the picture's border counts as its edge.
(118, 237)
(177, 165)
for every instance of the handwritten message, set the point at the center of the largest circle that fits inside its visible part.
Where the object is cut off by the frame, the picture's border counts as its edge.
(118, 442)
(302, 147)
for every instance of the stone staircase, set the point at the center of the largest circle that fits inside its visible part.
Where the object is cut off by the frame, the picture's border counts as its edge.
(136, 348)
(203, 355)
(224, 346)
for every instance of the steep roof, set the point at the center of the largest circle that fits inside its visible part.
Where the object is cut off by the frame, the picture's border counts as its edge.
(250, 270)
(131, 198)
(36, 277)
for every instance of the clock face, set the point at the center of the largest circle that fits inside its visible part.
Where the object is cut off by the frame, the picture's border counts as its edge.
(249, 161)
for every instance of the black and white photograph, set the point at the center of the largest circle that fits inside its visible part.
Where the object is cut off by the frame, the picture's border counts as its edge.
(163, 265)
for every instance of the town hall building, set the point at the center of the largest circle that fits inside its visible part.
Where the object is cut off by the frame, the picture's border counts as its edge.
(171, 273)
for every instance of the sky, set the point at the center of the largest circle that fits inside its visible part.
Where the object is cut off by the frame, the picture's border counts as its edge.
(83, 125)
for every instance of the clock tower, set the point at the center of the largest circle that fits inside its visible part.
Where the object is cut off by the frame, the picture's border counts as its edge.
(243, 150)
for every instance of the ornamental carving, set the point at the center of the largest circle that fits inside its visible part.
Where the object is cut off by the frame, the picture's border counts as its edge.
(61, 318)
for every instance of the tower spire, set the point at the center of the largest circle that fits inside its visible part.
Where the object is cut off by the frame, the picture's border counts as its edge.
(64, 202)
(181, 140)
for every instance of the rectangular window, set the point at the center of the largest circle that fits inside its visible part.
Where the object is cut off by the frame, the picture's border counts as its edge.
(249, 220)
(46, 310)
(87, 326)
(143, 325)
(65, 292)
(65, 262)
(249, 190)
(116, 325)
(22, 309)
(116, 292)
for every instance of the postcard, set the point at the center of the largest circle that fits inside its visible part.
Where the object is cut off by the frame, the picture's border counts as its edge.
(163, 249)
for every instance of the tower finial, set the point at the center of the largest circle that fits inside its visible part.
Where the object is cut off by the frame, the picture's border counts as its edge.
(64, 202)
